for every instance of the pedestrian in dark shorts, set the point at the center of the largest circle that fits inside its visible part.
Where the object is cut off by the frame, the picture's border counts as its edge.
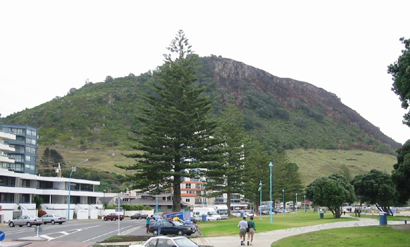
(147, 222)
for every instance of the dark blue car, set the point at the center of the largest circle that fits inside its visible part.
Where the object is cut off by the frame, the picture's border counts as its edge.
(171, 227)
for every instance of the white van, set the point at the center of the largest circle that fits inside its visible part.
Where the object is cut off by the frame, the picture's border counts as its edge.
(222, 210)
(210, 213)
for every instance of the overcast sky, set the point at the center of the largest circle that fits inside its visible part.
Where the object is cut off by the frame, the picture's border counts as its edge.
(344, 47)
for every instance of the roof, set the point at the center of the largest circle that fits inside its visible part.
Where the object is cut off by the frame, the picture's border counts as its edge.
(28, 176)
(154, 202)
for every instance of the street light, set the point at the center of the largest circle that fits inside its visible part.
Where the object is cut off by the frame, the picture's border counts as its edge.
(69, 186)
(296, 206)
(270, 193)
(304, 202)
(283, 198)
(104, 199)
(156, 203)
(260, 197)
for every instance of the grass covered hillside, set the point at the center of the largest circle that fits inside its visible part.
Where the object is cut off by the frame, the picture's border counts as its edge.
(315, 163)
(319, 133)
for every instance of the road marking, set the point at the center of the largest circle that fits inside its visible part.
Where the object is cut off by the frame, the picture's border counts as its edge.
(65, 233)
(108, 234)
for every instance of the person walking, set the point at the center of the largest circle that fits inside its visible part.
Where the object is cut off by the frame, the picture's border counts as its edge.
(251, 230)
(243, 225)
(147, 223)
(159, 222)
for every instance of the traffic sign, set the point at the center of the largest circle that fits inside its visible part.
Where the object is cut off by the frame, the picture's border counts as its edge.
(2, 235)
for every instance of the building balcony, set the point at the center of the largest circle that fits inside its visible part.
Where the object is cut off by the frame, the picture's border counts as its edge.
(17, 142)
(6, 147)
(7, 136)
(5, 159)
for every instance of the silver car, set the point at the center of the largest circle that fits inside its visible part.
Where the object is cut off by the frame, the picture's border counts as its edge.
(53, 218)
(27, 220)
(168, 241)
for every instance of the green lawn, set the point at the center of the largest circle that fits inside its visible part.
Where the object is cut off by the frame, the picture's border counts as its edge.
(279, 221)
(373, 236)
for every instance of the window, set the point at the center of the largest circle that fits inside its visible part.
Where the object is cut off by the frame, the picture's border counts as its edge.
(29, 167)
(86, 187)
(26, 183)
(187, 200)
(45, 185)
(25, 198)
(17, 131)
(30, 150)
(28, 158)
(16, 157)
(187, 186)
(7, 181)
(31, 132)
(30, 141)
(6, 197)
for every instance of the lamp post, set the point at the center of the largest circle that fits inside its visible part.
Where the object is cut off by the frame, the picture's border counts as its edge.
(283, 199)
(304, 202)
(104, 199)
(260, 199)
(296, 204)
(69, 187)
(270, 192)
(156, 203)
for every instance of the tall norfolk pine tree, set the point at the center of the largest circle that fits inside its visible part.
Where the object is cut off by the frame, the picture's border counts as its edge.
(228, 177)
(177, 135)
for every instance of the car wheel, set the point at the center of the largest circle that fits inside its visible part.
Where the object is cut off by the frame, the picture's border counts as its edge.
(11, 224)
(114, 219)
(60, 223)
(53, 222)
(105, 219)
(180, 233)
(155, 232)
(28, 224)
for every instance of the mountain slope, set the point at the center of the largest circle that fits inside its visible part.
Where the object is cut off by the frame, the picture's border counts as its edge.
(281, 113)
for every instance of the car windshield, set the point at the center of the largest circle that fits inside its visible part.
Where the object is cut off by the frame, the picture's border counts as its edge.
(184, 242)
(177, 223)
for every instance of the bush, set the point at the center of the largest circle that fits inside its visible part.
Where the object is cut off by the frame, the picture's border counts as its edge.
(41, 212)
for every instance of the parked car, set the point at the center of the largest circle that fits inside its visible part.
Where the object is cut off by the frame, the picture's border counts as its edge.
(171, 227)
(27, 220)
(274, 211)
(168, 241)
(113, 216)
(139, 216)
(53, 218)
(193, 225)
(248, 213)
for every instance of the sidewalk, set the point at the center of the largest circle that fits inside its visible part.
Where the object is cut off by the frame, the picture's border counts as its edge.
(265, 239)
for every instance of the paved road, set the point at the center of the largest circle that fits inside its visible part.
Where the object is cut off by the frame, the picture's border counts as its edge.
(264, 239)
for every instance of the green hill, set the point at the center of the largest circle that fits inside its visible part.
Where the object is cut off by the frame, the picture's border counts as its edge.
(95, 121)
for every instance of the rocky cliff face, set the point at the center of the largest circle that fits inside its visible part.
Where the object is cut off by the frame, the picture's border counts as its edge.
(230, 74)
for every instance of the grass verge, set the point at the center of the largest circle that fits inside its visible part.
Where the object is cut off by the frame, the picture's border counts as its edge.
(375, 236)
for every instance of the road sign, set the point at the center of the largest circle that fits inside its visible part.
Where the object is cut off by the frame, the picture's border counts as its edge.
(2, 235)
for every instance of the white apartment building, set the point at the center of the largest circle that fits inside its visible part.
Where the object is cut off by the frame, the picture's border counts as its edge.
(17, 191)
